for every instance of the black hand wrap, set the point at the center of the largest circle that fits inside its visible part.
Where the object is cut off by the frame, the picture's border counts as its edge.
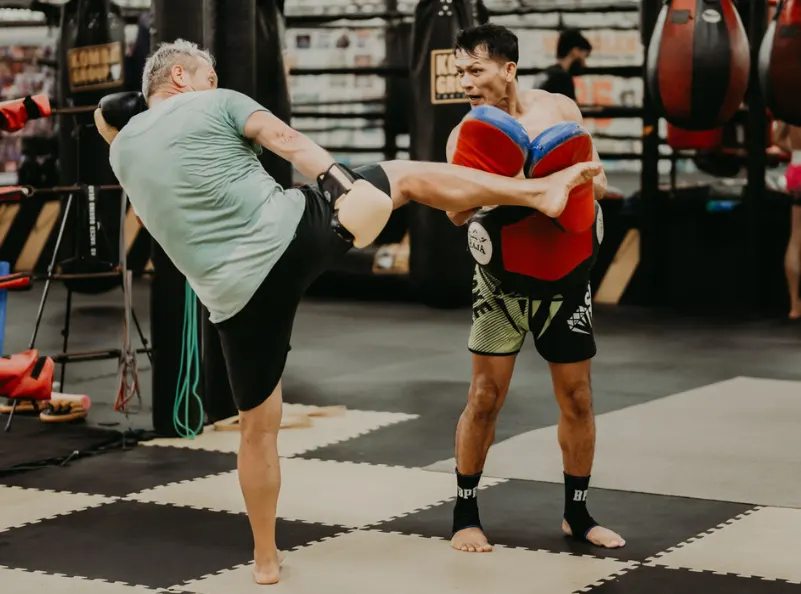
(119, 108)
(334, 183)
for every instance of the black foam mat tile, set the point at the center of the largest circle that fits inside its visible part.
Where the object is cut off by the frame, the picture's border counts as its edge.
(120, 473)
(31, 443)
(662, 580)
(528, 514)
(145, 544)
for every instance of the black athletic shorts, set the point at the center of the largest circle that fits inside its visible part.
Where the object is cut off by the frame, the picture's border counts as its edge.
(561, 325)
(255, 341)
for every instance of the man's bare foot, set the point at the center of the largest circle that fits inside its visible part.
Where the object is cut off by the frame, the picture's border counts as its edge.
(599, 536)
(563, 182)
(795, 312)
(266, 571)
(471, 540)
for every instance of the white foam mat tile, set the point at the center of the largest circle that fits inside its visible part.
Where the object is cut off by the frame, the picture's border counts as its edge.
(730, 441)
(324, 431)
(368, 561)
(335, 493)
(763, 543)
(20, 506)
(18, 581)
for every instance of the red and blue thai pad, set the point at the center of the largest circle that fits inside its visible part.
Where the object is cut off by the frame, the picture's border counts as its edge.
(491, 140)
(557, 148)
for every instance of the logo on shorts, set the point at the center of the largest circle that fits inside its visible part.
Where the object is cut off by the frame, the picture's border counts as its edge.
(581, 321)
(711, 16)
(480, 245)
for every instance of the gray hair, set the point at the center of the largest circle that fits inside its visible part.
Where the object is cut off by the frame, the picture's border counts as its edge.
(160, 63)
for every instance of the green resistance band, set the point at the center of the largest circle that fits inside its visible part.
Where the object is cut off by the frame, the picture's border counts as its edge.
(189, 374)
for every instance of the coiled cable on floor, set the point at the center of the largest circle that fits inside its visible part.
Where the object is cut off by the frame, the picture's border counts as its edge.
(189, 374)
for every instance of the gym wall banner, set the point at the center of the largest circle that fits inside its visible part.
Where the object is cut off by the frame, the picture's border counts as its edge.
(445, 87)
(96, 67)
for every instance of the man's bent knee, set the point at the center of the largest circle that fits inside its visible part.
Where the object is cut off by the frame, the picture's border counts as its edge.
(576, 401)
(264, 419)
(484, 400)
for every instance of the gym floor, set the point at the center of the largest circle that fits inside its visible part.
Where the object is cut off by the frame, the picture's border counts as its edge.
(697, 464)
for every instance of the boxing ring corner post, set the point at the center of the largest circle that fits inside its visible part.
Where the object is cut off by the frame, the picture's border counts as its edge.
(168, 285)
(649, 245)
(757, 130)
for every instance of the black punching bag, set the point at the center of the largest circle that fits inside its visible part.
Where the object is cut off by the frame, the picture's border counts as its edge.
(192, 20)
(272, 86)
(92, 58)
(780, 63)
(440, 267)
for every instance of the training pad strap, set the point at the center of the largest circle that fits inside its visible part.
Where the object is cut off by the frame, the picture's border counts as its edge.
(335, 183)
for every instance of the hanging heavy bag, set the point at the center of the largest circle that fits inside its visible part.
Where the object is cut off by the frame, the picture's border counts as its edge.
(91, 256)
(780, 63)
(698, 63)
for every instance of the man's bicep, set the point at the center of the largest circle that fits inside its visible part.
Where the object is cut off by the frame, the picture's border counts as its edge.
(272, 133)
(239, 108)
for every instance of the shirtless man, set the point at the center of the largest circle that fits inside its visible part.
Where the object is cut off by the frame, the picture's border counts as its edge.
(186, 152)
(788, 138)
(486, 60)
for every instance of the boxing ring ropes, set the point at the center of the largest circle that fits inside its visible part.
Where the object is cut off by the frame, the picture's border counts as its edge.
(128, 370)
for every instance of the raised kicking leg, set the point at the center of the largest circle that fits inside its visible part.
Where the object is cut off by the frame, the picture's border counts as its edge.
(458, 189)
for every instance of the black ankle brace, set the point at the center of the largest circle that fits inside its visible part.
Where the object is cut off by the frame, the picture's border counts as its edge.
(576, 514)
(465, 511)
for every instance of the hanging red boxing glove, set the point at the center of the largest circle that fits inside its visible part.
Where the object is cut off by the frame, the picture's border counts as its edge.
(16, 113)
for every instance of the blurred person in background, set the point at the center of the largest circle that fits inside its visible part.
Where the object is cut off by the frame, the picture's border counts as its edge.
(572, 51)
(788, 138)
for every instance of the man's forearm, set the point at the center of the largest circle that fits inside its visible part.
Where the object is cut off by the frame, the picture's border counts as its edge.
(309, 158)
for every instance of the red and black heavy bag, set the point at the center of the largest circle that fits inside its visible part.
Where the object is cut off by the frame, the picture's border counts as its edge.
(698, 63)
(780, 63)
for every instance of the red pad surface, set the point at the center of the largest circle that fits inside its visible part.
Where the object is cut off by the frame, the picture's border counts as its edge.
(485, 147)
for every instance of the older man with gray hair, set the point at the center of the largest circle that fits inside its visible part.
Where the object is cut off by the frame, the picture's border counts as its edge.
(187, 157)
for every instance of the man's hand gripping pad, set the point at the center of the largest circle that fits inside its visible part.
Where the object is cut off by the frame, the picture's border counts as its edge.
(557, 148)
(361, 210)
(491, 140)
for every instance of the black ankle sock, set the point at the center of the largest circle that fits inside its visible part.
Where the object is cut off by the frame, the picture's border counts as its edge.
(576, 514)
(465, 512)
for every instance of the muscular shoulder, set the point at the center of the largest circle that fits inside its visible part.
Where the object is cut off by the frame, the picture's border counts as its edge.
(538, 99)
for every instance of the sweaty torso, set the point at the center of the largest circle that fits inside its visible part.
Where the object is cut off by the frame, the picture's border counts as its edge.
(199, 189)
(540, 111)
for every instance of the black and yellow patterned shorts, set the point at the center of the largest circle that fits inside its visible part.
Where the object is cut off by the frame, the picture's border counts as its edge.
(561, 324)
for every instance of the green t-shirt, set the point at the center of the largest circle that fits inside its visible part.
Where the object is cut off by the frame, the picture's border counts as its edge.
(197, 185)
